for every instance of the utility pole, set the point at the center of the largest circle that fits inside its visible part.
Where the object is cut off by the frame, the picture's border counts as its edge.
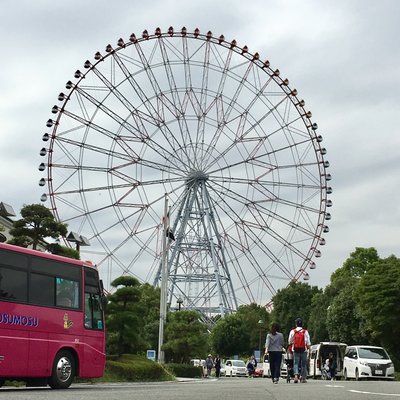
(164, 283)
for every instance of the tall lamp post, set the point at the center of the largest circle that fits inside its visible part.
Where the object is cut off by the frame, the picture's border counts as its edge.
(164, 284)
(179, 302)
(260, 324)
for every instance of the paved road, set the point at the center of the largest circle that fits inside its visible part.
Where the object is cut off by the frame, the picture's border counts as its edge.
(224, 388)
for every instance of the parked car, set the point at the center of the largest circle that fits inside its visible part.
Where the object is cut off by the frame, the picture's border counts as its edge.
(235, 368)
(320, 352)
(365, 362)
(197, 362)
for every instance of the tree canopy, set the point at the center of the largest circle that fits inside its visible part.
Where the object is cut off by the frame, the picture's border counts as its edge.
(378, 298)
(185, 337)
(36, 224)
(293, 302)
(230, 336)
(122, 319)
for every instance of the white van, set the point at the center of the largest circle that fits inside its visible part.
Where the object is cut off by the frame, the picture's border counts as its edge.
(363, 362)
(320, 352)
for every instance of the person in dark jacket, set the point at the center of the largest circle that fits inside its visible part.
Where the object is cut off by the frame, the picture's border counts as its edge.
(251, 366)
(217, 366)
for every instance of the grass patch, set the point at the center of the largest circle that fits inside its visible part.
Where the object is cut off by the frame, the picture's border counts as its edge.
(132, 368)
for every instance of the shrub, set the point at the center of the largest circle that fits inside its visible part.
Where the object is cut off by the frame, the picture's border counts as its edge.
(134, 368)
(184, 370)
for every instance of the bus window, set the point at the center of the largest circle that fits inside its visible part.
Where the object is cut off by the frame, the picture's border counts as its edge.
(93, 311)
(67, 293)
(13, 284)
(93, 298)
(41, 290)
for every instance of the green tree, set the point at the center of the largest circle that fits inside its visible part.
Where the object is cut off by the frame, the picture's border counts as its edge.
(251, 314)
(230, 336)
(36, 224)
(122, 320)
(343, 320)
(185, 337)
(354, 267)
(148, 310)
(317, 319)
(378, 298)
(344, 323)
(293, 302)
(65, 251)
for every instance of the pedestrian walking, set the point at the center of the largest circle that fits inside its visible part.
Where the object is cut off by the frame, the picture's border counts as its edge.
(209, 365)
(274, 347)
(217, 366)
(299, 339)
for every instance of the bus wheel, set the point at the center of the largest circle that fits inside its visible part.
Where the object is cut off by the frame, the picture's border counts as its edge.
(63, 371)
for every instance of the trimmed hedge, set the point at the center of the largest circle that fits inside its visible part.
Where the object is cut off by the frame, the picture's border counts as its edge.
(184, 370)
(135, 368)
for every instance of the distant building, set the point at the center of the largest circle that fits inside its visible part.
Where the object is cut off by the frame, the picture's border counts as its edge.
(6, 211)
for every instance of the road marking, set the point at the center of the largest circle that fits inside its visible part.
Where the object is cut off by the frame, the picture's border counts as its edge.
(340, 386)
(378, 394)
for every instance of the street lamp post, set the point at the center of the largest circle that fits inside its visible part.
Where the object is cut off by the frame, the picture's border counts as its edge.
(260, 324)
(164, 284)
(180, 302)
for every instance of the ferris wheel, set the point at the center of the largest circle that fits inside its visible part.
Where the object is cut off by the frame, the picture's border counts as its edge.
(218, 131)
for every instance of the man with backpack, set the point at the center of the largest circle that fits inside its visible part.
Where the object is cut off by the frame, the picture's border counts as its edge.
(299, 339)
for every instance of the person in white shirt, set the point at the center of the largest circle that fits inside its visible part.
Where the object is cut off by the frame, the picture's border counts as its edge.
(299, 339)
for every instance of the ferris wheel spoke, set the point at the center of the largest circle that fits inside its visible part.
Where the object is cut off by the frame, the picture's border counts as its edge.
(266, 189)
(241, 135)
(176, 100)
(152, 117)
(263, 212)
(96, 149)
(137, 134)
(228, 242)
(176, 103)
(256, 159)
(203, 93)
(128, 156)
(246, 231)
(130, 108)
(70, 204)
(171, 139)
(223, 116)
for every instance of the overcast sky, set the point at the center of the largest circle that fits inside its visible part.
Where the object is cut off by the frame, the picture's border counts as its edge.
(342, 56)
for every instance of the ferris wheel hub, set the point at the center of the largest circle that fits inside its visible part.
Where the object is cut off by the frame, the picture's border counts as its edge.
(196, 176)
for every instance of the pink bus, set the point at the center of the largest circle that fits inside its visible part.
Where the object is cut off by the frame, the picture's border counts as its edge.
(51, 318)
